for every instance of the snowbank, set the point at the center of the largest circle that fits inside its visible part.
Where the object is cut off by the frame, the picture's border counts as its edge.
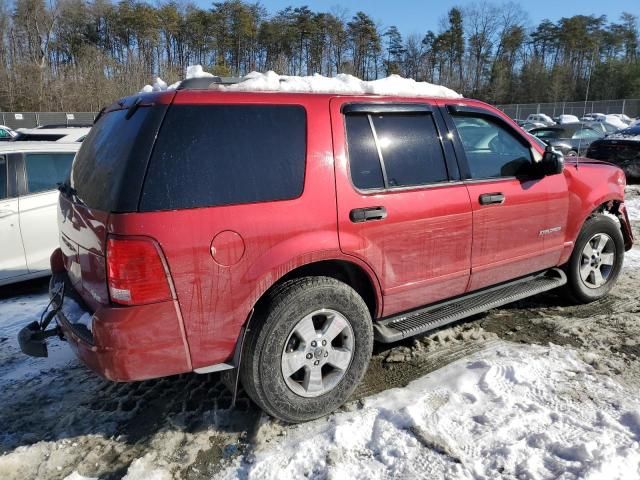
(512, 412)
(340, 84)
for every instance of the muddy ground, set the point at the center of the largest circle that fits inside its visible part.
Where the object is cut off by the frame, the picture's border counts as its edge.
(66, 419)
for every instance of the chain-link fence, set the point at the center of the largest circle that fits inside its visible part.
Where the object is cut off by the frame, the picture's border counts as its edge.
(38, 119)
(630, 107)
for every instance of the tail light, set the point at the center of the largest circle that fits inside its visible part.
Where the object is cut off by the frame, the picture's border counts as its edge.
(136, 273)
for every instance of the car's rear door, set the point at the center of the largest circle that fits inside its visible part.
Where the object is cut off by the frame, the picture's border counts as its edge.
(401, 206)
(12, 260)
(518, 217)
(38, 203)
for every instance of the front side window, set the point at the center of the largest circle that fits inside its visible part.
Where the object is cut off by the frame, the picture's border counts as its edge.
(394, 150)
(492, 151)
(46, 170)
(4, 133)
(3, 177)
(210, 155)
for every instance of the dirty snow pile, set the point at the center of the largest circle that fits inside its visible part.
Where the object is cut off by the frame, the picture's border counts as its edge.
(512, 412)
(340, 84)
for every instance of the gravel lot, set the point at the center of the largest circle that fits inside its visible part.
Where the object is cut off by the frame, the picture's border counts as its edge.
(57, 420)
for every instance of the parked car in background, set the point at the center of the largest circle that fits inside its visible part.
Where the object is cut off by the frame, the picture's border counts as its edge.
(540, 118)
(527, 126)
(58, 134)
(621, 149)
(593, 117)
(625, 118)
(29, 174)
(187, 242)
(563, 119)
(6, 134)
(613, 120)
(605, 127)
(571, 139)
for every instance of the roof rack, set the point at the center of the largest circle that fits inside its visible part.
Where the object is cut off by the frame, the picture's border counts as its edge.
(203, 83)
(65, 125)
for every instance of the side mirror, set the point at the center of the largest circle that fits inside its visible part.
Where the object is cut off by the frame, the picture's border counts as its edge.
(552, 161)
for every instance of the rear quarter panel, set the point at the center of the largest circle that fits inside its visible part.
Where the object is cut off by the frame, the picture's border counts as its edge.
(216, 299)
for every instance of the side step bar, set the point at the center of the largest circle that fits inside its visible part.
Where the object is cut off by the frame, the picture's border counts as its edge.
(392, 329)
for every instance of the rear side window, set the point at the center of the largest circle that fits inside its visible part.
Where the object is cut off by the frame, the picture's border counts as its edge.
(210, 155)
(46, 170)
(394, 150)
(109, 168)
(3, 178)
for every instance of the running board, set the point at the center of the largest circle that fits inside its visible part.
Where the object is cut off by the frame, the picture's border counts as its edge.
(405, 325)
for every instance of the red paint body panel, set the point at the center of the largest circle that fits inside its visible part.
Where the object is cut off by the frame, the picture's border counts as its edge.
(133, 343)
(436, 242)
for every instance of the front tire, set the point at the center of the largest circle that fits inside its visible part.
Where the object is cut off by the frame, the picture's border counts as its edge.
(310, 351)
(596, 261)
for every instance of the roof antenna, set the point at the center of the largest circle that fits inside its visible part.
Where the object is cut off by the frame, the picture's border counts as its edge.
(584, 110)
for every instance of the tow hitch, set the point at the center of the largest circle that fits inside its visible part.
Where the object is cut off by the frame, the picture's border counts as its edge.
(32, 338)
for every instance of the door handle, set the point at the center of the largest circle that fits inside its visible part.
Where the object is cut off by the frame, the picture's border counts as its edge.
(491, 198)
(358, 215)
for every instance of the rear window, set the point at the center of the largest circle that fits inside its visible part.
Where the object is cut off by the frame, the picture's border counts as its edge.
(38, 137)
(209, 155)
(109, 169)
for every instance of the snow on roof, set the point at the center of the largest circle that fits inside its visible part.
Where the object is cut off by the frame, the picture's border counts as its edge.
(340, 84)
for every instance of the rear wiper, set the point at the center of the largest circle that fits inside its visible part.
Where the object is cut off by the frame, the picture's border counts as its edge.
(133, 108)
(69, 191)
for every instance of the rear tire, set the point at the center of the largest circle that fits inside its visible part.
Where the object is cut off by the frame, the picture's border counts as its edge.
(596, 260)
(308, 349)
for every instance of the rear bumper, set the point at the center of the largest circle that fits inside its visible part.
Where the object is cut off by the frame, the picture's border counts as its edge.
(123, 343)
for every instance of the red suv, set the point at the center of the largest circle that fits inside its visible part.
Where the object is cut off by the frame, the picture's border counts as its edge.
(279, 234)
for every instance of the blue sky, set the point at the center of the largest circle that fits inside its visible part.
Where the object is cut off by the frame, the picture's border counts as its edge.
(418, 16)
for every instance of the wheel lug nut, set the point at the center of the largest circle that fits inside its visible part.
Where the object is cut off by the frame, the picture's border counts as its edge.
(324, 342)
(326, 354)
(317, 362)
(309, 356)
(313, 344)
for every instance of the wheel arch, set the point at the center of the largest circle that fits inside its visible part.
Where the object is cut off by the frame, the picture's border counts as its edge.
(348, 271)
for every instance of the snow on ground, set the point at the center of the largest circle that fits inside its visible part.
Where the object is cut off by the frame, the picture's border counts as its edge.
(535, 390)
(511, 411)
(340, 84)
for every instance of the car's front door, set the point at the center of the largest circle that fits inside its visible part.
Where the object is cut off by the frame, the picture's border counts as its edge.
(38, 204)
(401, 206)
(12, 258)
(514, 211)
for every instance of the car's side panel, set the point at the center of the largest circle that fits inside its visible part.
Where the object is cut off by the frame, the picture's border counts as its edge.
(13, 263)
(421, 251)
(217, 287)
(39, 226)
(590, 184)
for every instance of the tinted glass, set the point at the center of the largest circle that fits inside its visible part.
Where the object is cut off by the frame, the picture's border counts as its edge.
(364, 162)
(411, 149)
(3, 177)
(109, 168)
(36, 137)
(492, 151)
(586, 133)
(547, 133)
(209, 155)
(4, 133)
(46, 170)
